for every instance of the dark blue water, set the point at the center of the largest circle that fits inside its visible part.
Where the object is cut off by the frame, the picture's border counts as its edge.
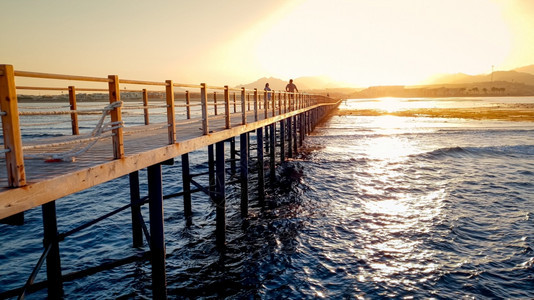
(375, 207)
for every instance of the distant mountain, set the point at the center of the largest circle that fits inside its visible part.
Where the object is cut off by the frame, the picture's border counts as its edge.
(526, 69)
(302, 83)
(525, 76)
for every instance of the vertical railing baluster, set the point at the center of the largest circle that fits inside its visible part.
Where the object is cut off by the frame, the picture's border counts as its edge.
(255, 104)
(243, 108)
(266, 103)
(16, 175)
(116, 117)
(188, 104)
(204, 102)
(235, 103)
(215, 102)
(73, 108)
(279, 104)
(169, 91)
(145, 108)
(226, 108)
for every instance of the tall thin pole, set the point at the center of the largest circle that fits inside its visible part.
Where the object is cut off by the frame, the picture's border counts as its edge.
(220, 195)
(157, 235)
(53, 262)
(137, 228)
(243, 159)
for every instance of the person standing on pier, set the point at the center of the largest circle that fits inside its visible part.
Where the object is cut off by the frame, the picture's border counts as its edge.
(291, 87)
(268, 90)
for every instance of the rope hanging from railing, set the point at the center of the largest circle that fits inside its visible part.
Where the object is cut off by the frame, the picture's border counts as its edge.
(97, 134)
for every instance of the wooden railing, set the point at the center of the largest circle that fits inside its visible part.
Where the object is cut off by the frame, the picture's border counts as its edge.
(271, 103)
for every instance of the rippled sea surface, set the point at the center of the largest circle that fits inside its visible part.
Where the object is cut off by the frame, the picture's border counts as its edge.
(375, 207)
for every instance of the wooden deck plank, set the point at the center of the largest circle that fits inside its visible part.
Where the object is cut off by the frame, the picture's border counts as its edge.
(49, 181)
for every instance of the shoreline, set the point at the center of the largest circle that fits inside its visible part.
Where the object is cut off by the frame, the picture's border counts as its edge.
(518, 112)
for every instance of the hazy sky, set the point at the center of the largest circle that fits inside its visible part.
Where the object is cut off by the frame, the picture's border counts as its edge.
(361, 42)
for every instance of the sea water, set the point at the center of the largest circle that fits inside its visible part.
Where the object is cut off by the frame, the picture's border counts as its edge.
(374, 207)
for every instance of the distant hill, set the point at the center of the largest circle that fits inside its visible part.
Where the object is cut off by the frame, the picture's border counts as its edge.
(302, 83)
(526, 69)
(520, 75)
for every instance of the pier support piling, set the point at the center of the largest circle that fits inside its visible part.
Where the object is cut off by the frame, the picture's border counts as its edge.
(135, 197)
(232, 156)
(272, 154)
(186, 184)
(243, 160)
(53, 262)
(211, 169)
(220, 195)
(289, 137)
(261, 174)
(282, 141)
(157, 236)
(295, 137)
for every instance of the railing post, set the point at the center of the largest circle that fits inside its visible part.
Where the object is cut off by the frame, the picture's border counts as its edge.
(273, 104)
(204, 103)
(169, 92)
(279, 104)
(235, 104)
(145, 104)
(11, 127)
(266, 103)
(289, 102)
(188, 104)
(74, 114)
(226, 108)
(215, 102)
(255, 104)
(116, 117)
(243, 107)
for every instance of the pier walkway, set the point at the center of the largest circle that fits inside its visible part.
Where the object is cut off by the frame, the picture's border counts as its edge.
(36, 172)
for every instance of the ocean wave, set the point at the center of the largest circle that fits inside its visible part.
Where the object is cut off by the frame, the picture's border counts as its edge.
(458, 152)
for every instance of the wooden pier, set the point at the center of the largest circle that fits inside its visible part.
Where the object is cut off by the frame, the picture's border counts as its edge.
(38, 172)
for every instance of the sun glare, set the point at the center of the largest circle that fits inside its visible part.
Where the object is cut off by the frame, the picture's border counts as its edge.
(384, 42)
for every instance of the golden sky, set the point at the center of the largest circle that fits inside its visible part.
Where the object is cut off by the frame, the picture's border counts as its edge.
(360, 42)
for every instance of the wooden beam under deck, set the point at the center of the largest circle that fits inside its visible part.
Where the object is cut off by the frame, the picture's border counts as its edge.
(47, 182)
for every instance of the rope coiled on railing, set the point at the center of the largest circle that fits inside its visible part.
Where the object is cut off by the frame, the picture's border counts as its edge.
(95, 136)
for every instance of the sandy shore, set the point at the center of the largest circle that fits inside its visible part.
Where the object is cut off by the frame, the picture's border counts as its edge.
(512, 112)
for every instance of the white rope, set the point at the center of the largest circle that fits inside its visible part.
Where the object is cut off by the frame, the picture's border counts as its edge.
(96, 135)
(60, 112)
(142, 106)
(41, 107)
(5, 150)
(43, 124)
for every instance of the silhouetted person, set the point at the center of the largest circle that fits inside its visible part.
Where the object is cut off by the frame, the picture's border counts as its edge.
(291, 87)
(267, 89)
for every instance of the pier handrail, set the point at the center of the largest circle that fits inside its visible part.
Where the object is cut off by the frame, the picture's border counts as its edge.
(273, 103)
